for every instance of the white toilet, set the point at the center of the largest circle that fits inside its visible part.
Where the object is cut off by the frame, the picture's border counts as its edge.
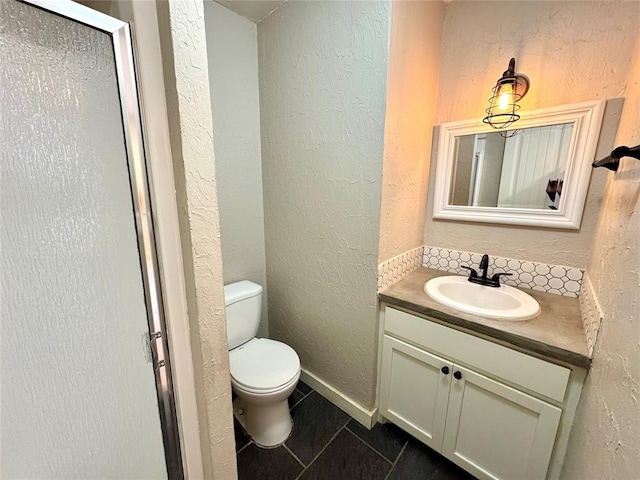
(263, 372)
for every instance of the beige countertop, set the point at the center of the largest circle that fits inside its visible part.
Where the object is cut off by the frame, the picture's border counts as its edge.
(556, 333)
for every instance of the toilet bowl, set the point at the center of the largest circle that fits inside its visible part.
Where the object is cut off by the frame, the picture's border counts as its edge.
(264, 372)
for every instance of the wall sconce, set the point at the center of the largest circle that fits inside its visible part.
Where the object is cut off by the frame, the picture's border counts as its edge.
(503, 105)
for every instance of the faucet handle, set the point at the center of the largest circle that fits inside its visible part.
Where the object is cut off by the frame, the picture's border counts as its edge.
(496, 276)
(472, 271)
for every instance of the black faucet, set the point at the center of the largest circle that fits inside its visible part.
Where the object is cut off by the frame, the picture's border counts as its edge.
(494, 281)
(484, 265)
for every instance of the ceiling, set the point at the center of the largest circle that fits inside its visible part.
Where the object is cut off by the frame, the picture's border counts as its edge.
(254, 10)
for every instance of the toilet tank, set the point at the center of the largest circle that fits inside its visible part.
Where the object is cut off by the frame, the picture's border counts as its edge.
(243, 302)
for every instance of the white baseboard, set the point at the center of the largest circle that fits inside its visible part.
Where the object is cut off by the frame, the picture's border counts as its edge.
(366, 417)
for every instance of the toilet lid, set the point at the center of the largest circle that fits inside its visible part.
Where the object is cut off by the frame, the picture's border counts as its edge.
(263, 364)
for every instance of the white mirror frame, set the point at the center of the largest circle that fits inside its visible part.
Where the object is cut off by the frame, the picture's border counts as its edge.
(586, 118)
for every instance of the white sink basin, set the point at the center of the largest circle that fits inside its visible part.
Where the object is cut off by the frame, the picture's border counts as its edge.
(500, 303)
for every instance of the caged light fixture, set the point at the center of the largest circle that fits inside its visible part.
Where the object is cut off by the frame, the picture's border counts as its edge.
(503, 104)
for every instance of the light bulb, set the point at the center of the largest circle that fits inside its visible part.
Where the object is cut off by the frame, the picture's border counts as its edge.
(505, 96)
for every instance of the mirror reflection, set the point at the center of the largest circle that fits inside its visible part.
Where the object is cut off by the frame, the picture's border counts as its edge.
(526, 170)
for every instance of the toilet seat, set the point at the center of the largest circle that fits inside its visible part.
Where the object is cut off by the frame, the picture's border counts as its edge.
(263, 366)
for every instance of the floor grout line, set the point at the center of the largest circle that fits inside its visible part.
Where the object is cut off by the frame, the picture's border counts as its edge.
(304, 396)
(248, 443)
(294, 456)
(323, 448)
(368, 446)
(393, 465)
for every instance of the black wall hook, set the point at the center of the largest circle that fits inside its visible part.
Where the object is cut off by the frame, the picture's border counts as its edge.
(612, 162)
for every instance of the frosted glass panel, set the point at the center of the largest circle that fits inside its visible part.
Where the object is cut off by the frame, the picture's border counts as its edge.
(78, 396)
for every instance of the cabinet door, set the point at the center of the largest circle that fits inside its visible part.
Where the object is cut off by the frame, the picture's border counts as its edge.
(414, 391)
(497, 432)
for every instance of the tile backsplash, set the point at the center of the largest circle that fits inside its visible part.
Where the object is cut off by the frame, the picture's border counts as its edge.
(394, 269)
(556, 279)
(592, 315)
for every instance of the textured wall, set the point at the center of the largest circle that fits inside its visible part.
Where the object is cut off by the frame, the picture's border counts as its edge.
(606, 433)
(78, 391)
(232, 47)
(572, 52)
(323, 68)
(412, 82)
(184, 52)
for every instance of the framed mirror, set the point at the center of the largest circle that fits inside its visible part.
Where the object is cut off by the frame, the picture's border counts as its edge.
(536, 175)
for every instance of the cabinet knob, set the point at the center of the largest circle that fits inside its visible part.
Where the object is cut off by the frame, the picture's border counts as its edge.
(445, 370)
(457, 375)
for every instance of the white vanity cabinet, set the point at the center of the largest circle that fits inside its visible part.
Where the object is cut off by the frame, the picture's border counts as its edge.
(490, 409)
(414, 392)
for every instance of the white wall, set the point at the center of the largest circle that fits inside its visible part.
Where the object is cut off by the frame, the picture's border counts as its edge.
(184, 51)
(232, 45)
(572, 52)
(606, 433)
(412, 83)
(323, 68)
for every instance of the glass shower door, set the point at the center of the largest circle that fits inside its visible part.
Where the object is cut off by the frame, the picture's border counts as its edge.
(78, 386)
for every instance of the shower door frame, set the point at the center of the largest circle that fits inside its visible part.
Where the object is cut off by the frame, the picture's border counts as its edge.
(120, 34)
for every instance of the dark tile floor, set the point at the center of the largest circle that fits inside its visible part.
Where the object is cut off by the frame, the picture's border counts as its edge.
(327, 444)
